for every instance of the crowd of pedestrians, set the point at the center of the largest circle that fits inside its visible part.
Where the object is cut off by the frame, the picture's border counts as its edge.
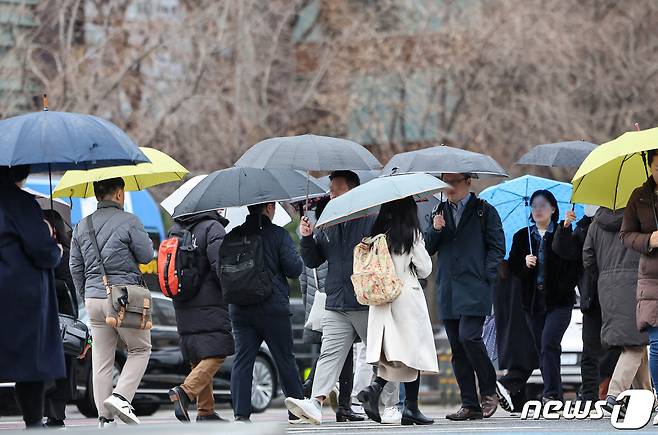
(608, 256)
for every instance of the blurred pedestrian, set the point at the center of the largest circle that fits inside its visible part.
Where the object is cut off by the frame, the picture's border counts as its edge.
(32, 352)
(63, 390)
(468, 236)
(639, 231)
(345, 317)
(615, 268)
(400, 335)
(268, 321)
(311, 282)
(548, 283)
(202, 319)
(123, 244)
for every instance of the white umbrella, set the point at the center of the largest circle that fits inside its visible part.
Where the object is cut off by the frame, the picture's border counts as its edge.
(235, 215)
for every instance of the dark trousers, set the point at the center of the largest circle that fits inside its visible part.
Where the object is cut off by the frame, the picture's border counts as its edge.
(515, 381)
(250, 331)
(469, 358)
(345, 381)
(60, 393)
(592, 354)
(548, 328)
(30, 398)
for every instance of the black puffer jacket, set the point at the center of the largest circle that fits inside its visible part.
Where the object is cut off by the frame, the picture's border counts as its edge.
(203, 321)
(561, 273)
(335, 245)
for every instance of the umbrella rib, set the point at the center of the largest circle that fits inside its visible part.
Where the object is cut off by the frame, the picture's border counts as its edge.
(614, 203)
(510, 212)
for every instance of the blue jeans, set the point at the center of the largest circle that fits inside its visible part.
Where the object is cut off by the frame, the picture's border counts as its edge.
(653, 355)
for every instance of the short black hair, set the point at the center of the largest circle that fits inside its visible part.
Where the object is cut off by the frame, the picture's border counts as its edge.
(651, 154)
(351, 178)
(104, 188)
(258, 208)
(14, 174)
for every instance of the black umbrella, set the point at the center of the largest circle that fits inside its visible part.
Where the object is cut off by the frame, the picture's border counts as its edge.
(237, 187)
(560, 154)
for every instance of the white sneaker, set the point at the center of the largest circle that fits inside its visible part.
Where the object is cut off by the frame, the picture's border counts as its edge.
(306, 409)
(358, 409)
(122, 409)
(392, 415)
(104, 423)
(504, 397)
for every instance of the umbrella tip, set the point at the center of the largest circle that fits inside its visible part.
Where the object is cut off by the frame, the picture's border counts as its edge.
(45, 102)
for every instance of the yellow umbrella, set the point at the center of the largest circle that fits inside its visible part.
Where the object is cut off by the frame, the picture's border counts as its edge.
(162, 169)
(613, 170)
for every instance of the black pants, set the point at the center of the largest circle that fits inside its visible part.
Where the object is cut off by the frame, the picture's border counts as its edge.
(250, 330)
(592, 354)
(30, 398)
(469, 358)
(60, 393)
(345, 381)
(548, 328)
(515, 381)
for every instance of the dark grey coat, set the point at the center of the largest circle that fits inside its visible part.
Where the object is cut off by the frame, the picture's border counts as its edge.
(203, 321)
(468, 259)
(124, 245)
(335, 245)
(310, 282)
(615, 266)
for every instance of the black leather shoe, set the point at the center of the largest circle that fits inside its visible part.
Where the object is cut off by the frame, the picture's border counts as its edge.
(242, 419)
(369, 399)
(212, 418)
(346, 414)
(181, 404)
(411, 415)
(54, 423)
(465, 414)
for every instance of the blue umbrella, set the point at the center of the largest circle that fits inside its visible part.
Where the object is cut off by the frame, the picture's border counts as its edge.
(512, 201)
(59, 141)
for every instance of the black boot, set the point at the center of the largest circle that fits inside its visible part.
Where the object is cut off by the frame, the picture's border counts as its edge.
(411, 415)
(369, 399)
(346, 414)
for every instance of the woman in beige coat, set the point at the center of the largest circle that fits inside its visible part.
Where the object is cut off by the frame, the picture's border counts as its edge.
(400, 336)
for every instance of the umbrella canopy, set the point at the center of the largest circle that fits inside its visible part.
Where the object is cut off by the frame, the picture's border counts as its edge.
(511, 200)
(614, 169)
(235, 215)
(60, 141)
(364, 177)
(237, 187)
(161, 169)
(58, 205)
(441, 160)
(366, 198)
(309, 153)
(560, 154)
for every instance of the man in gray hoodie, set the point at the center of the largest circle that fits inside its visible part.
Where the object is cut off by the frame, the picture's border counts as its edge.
(123, 244)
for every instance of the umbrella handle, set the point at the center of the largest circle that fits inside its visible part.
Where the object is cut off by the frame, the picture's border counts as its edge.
(529, 239)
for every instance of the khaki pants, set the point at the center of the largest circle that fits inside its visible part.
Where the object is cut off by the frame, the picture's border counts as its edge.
(138, 344)
(632, 369)
(199, 384)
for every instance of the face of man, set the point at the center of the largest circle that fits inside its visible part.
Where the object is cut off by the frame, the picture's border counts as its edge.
(270, 209)
(337, 187)
(460, 186)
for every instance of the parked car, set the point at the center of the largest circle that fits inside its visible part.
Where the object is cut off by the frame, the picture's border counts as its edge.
(167, 368)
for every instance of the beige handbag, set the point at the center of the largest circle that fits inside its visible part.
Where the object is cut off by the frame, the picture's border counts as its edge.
(374, 278)
(128, 305)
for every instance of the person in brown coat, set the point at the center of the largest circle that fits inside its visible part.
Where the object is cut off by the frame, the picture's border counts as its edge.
(639, 231)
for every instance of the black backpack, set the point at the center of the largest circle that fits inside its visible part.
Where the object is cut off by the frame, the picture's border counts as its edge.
(242, 273)
(178, 264)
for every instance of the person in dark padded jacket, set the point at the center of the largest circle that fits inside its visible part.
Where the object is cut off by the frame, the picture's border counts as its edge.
(203, 321)
(269, 320)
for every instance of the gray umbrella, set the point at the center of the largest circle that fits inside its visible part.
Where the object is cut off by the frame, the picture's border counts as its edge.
(441, 160)
(560, 154)
(237, 187)
(309, 153)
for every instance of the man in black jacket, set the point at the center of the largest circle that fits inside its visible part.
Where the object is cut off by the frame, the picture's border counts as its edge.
(203, 322)
(268, 321)
(468, 236)
(345, 317)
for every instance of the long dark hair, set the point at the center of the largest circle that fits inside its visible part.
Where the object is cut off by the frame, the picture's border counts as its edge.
(399, 221)
(555, 217)
(57, 222)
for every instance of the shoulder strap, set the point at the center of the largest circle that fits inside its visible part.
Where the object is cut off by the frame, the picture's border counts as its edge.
(97, 251)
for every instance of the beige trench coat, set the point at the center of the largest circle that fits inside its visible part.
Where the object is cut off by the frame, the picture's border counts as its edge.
(400, 336)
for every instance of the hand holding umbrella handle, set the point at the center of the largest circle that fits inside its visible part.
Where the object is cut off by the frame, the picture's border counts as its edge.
(305, 227)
